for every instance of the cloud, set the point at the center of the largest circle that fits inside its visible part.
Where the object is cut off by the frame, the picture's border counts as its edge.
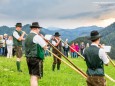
(54, 10)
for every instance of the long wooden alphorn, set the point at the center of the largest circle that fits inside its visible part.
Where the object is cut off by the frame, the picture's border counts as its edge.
(111, 61)
(66, 58)
(68, 64)
(73, 49)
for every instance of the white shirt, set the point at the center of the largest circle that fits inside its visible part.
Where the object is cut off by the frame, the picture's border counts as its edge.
(54, 42)
(16, 35)
(3, 43)
(102, 54)
(39, 40)
(9, 43)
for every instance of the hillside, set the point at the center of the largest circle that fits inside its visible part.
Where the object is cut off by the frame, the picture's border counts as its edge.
(71, 34)
(108, 38)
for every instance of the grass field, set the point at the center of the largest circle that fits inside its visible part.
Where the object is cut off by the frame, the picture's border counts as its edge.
(65, 77)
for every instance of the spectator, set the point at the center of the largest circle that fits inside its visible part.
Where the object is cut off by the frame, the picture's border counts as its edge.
(9, 44)
(87, 45)
(82, 46)
(72, 51)
(66, 48)
(1, 45)
(77, 49)
(5, 38)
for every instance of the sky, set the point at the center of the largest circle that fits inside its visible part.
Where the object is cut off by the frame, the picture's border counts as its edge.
(66, 14)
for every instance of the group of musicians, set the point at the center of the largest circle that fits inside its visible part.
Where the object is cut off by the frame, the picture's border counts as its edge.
(35, 45)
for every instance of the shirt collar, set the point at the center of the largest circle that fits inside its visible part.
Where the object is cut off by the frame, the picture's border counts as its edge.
(95, 44)
(33, 32)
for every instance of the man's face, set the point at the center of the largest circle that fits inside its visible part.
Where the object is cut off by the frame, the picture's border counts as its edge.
(18, 28)
(98, 41)
(57, 37)
(38, 30)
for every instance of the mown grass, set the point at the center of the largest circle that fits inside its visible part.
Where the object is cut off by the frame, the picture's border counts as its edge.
(65, 77)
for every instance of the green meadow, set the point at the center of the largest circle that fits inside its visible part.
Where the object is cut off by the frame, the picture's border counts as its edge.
(64, 77)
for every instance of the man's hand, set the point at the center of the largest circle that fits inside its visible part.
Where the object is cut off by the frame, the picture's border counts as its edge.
(101, 46)
(45, 47)
(24, 33)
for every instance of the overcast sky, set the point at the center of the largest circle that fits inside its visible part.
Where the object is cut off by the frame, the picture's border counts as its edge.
(58, 13)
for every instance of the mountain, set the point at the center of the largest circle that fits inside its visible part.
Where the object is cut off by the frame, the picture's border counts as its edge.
(71, 34)
(108, 38)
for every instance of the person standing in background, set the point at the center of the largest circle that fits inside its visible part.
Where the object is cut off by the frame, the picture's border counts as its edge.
(77, 49)
(18, 37)
(66, 48)
(72, 50)
(1, 45)
(9, 44)
(82, 46)
(5, 38)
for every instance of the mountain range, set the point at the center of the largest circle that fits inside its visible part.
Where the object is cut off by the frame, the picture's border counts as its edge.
(70, 34)
(74, 35)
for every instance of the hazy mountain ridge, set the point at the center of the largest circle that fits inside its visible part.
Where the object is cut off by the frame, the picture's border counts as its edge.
(108, 38)
(71, 34)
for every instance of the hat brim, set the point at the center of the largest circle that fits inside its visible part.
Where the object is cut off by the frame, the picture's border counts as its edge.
(35, 27)
(57, 35)
(18, 26)
(95, 37)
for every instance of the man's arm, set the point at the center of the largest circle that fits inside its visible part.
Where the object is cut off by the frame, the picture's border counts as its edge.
(103, 56)
(39, 40)
(56, 44)
(19, 38)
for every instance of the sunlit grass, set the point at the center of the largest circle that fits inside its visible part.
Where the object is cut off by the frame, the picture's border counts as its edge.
(65, 77)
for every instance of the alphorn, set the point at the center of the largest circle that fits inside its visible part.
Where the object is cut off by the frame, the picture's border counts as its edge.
(111, 61)
(107, 76)
(66, 58)
(76, 69)
(83, 57)
(68, 64)
(73, 49)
